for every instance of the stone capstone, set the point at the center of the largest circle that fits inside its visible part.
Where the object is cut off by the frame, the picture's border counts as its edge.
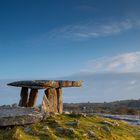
(43, 84)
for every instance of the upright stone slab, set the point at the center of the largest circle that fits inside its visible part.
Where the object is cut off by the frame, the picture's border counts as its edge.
(45, 107)
(24, 97)
(52, 98)
(33, 97)
(59, 100)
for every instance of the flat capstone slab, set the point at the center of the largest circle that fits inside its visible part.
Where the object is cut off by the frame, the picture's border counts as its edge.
(43, 84)
(19, 115)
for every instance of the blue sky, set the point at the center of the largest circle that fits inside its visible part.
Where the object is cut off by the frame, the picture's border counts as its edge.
(73, 39)
(47, 38)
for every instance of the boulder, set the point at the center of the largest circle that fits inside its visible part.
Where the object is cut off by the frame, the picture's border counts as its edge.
(61, 130)
(74, 123)
(110, 123)
(92, 134)
(10, 115)
(28, 129)
(106, 128)
(71, 131)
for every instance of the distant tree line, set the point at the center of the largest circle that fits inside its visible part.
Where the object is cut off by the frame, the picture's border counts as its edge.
(130, 107)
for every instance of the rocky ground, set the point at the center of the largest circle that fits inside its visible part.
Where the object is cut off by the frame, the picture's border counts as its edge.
(15, 115)
(72, 127)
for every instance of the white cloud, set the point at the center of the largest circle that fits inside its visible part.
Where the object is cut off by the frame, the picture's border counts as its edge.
(133, 82)
(128, 62)
(93, 29)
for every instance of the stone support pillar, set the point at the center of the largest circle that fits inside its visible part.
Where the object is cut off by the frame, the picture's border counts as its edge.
(33, 97)
(59, 100)
(24, 97)
(45, 107)
(52, 98)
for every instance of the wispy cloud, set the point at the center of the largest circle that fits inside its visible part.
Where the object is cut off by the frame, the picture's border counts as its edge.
(128, 62)
(93, 29)
(132, 82)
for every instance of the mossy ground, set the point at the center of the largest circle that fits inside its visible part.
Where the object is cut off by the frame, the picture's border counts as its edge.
(47, 129)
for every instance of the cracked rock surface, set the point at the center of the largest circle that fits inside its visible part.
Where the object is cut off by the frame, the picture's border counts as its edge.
(10, 115)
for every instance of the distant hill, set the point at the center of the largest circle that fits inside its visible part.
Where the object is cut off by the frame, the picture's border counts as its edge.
(126, 103)
(118, 107)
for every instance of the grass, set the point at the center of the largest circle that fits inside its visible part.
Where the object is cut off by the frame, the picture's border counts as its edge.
(87, 128)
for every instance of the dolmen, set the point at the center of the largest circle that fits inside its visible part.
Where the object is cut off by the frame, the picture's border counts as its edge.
(52, 99)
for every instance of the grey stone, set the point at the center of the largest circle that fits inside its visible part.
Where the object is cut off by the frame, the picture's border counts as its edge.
(43, 84)
(60, 138)
(45, 115)
(27, 129)
(92, 134)
(106, 128)
(18, 115)
(61, 130)
(110, 123)
(74, 123)
(66, 112)
(15, 105)
(83, 114)
(71, 130)
(45, 128)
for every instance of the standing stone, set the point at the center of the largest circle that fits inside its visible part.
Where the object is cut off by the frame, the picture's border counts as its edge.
(45, 107)
(52, 98)
(59, 100)
(24, 97)
(33, 98)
